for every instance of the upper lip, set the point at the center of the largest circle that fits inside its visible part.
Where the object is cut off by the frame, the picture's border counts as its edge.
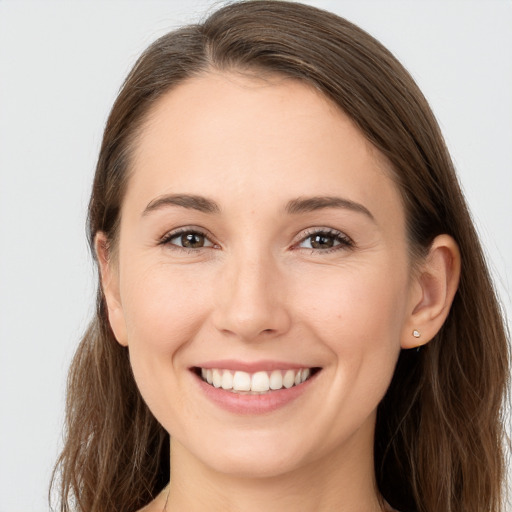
(251, 367)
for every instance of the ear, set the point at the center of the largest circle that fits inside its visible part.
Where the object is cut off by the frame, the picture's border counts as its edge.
(109, 275)
(433, 289)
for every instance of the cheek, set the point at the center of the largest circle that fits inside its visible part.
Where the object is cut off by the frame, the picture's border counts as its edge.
(164, 307)
(164, 310)
(367, 304)
(358, 317)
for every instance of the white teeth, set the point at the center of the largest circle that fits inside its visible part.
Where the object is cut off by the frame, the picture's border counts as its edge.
(258, 382)
(289, 379)
(217, 378)
(242, 381)
(276, 380)
(227, 380)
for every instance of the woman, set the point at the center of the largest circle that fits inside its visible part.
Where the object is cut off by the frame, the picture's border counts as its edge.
(290, 286)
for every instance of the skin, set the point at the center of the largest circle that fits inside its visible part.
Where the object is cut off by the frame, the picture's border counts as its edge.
(259, 290)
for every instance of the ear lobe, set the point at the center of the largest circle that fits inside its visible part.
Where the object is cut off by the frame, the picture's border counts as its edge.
(435, 286)
(109, 276)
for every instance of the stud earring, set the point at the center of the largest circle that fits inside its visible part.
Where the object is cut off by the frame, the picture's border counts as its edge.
(416, 333)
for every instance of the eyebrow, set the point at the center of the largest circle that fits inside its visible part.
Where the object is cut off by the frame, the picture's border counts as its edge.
(310, 204)
(192, 202)
(293, 207)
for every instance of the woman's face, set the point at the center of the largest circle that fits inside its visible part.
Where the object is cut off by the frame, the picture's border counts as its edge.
(260, 235)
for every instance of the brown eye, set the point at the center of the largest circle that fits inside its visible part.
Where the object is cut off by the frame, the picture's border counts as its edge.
(325, 240)
(322, 241)
(192, 240)
(188, 240)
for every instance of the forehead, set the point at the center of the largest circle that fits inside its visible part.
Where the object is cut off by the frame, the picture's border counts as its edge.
(227, 135)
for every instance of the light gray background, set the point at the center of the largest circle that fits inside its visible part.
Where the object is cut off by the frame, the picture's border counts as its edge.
(61, 64)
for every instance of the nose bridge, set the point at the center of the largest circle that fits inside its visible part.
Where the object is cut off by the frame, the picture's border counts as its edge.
(251, 296)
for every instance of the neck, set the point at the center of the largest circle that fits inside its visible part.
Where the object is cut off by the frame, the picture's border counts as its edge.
(344, 481)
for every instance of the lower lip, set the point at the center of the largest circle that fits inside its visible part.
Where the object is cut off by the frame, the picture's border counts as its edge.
(253, 404)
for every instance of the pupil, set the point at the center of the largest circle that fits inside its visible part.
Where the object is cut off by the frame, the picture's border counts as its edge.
(322, 242)
(192, 240)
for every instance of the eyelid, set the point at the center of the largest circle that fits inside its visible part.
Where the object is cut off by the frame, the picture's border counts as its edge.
(169, 235)
(345, 241)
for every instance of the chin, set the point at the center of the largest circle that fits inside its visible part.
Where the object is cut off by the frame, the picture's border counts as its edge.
(251, 456)
(253, 466)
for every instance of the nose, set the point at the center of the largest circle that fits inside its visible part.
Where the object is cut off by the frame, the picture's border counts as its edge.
(251, 300)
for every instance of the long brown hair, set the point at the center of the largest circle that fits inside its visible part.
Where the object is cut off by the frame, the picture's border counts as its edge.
(439, 433)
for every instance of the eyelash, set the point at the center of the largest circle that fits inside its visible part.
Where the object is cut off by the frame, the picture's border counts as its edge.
(343, 242)
(166, 239)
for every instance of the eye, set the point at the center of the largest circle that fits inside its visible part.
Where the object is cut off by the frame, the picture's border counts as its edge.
(325, 240)
(187, 239)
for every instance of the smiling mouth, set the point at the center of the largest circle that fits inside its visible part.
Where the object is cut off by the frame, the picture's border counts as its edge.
(257, 383)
